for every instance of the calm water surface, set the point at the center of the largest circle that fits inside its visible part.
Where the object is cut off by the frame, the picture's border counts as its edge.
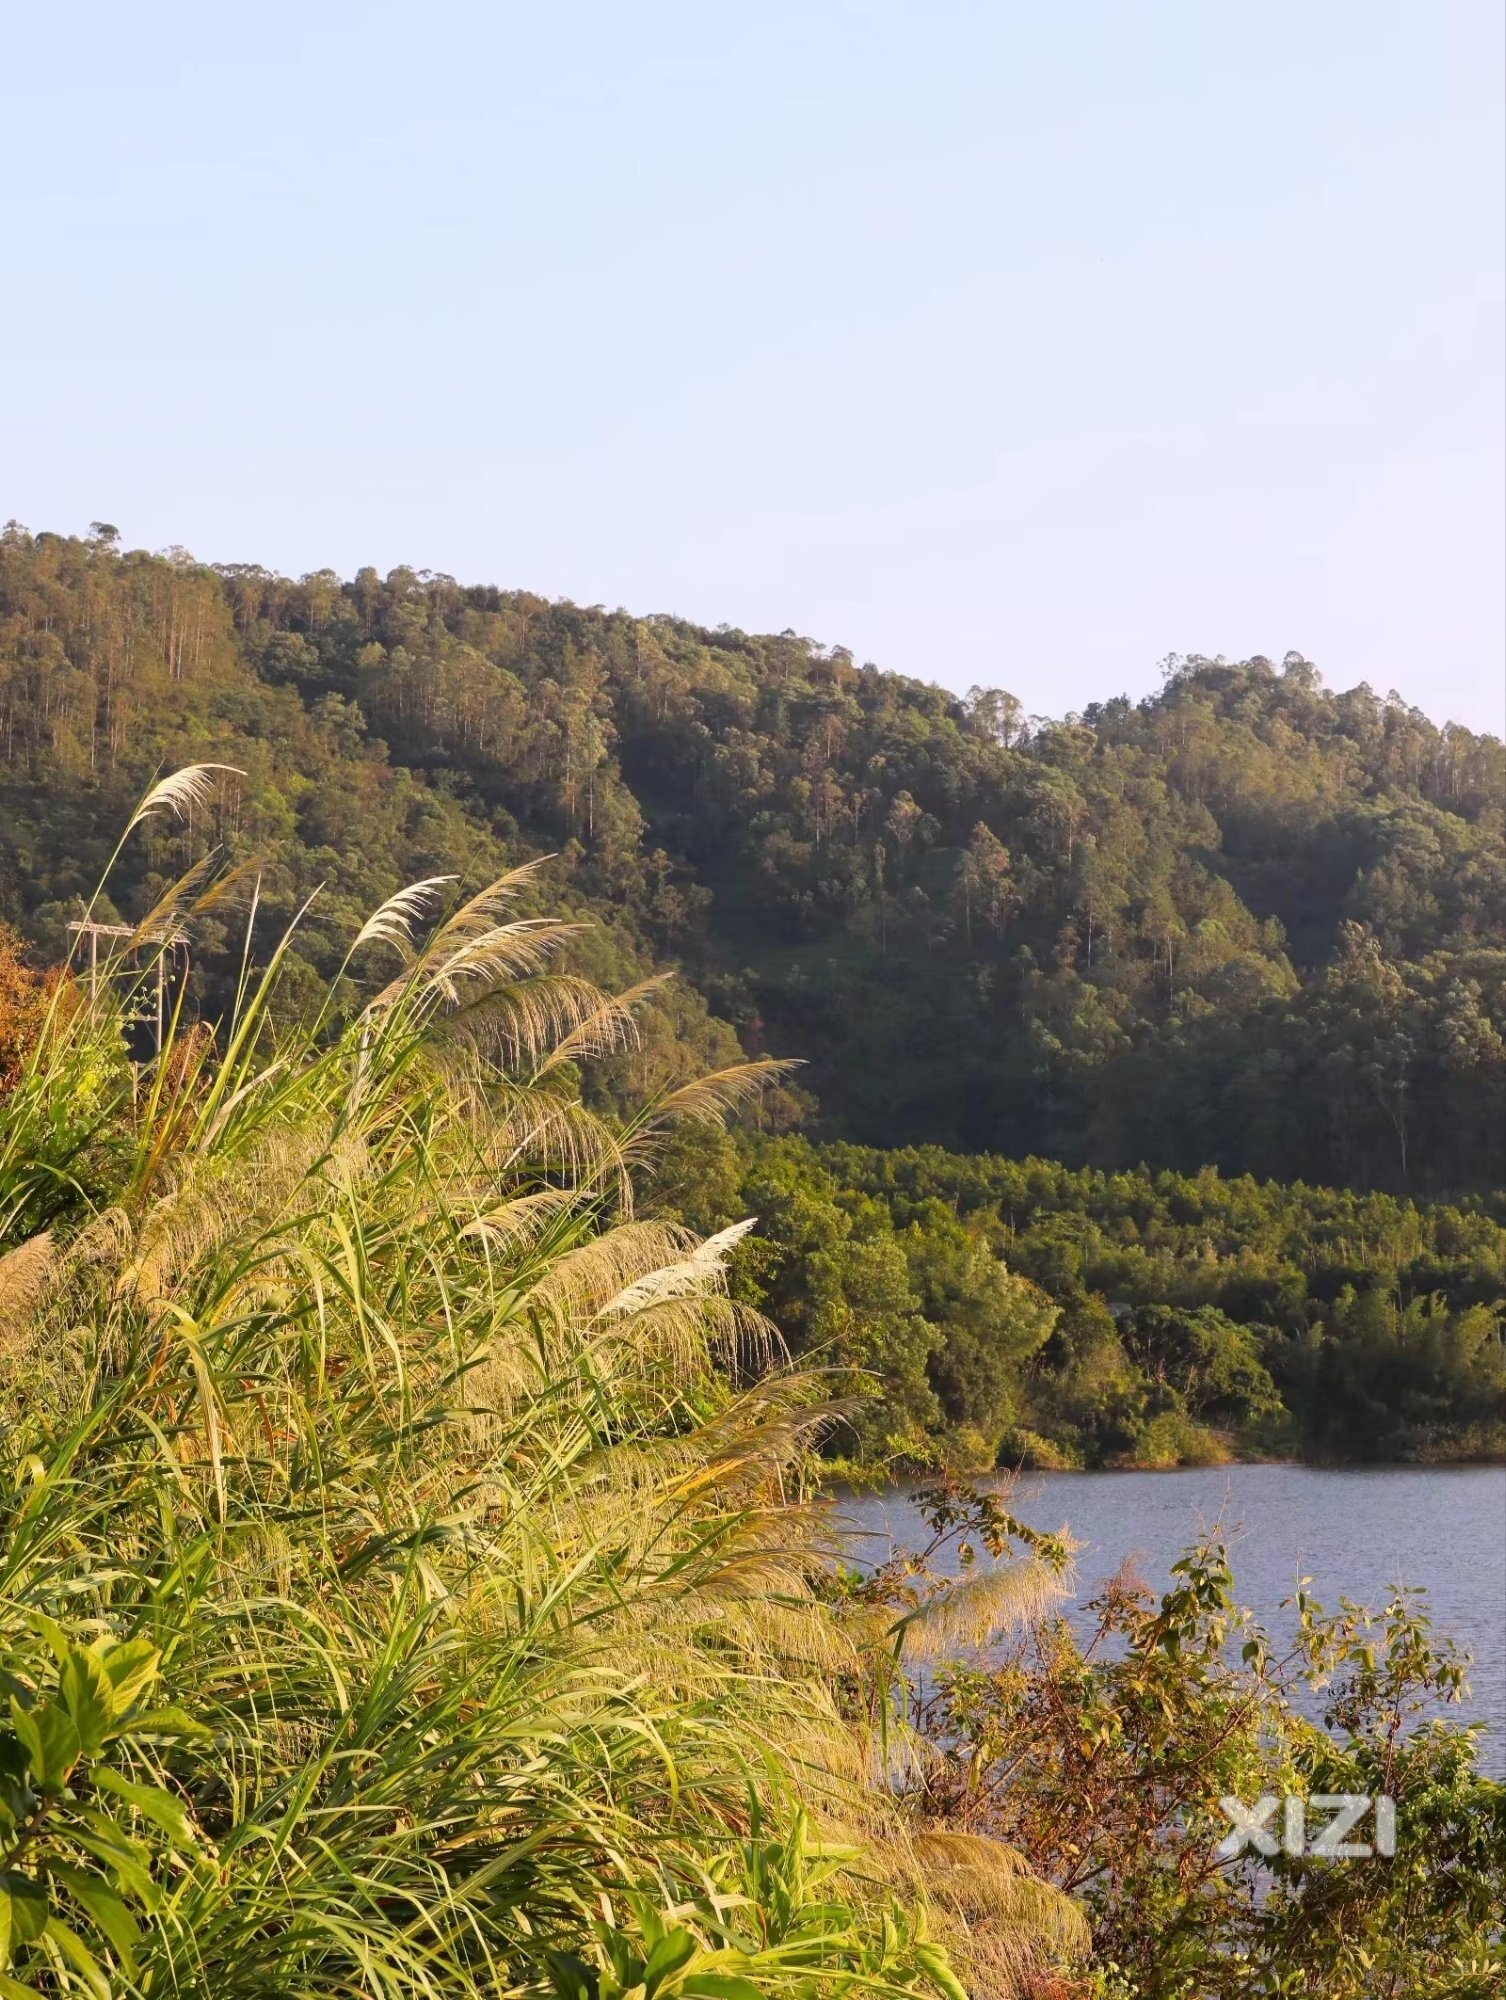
(1353, 1532)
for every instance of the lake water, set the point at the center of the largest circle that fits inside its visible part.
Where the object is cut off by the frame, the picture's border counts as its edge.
(1354, 1533)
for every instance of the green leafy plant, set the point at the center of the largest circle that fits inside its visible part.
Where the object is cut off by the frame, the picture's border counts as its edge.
(84, 1843)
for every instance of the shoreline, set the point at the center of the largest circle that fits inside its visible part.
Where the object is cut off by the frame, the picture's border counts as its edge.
(874, 1478)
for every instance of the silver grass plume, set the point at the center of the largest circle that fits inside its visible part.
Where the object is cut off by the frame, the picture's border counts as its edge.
(970, 1612)
(180, 791)
(392, 923)
(693, 1274)
(25, 1275)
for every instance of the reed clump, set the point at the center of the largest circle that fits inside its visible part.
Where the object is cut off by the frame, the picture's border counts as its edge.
(405, 1583)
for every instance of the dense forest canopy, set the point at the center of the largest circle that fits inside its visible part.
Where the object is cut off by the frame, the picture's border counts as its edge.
(1022, 1311)
(1247, 922)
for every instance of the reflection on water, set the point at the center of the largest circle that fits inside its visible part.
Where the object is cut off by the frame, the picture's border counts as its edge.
(1354, 1533)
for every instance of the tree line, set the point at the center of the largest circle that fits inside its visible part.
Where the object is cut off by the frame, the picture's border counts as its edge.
(1023, 1312)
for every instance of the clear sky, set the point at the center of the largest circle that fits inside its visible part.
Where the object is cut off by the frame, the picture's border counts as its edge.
(1006, 342)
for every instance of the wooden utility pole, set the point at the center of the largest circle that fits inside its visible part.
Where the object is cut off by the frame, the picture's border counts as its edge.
(166, 940)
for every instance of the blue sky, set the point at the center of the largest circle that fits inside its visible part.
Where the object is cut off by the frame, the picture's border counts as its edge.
(1006, 343)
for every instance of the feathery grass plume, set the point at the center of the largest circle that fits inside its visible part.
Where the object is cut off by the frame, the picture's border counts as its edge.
(484, 910)
(516, 1025)
(421, 1609)
(509, 955)
(25, 1273)
(520, 1221)
(392, 922)
(705, 1265)
(606, 1028)
(992, 1599)
(989, 1898)
(707, 1100)
(203, 888)
(179, 792)
(690, 1326)
(585, 1280)
(679, 1312)
(162, 917)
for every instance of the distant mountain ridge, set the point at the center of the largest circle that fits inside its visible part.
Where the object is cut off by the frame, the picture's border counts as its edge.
(1246, 922)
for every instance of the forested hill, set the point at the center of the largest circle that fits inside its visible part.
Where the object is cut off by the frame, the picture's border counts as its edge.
(1248, 922)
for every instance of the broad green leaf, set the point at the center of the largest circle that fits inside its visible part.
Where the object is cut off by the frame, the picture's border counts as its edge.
(132, 1667)
(51, 1740)
(935, 1962)
(53, 1633)
(674, 1950)
(26, 1906)
(16, 1796)
(126, 1862)
(169, 1721)
(571, 1977)
(28, 1735)
(86, 1693)
(105, 1909)
(151, 1801)
(79, 1956)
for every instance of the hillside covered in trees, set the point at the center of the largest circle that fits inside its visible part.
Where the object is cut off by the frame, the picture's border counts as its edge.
(1248, 925)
